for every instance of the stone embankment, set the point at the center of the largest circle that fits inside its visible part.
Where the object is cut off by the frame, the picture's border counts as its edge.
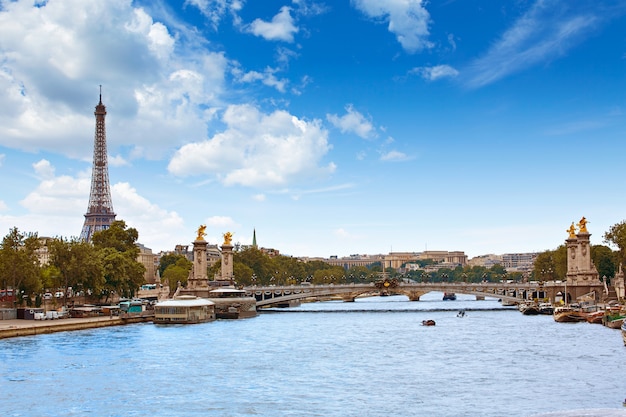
(15, 328)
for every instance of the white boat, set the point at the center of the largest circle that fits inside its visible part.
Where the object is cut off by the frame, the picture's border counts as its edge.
(184, 309)
(624, 332)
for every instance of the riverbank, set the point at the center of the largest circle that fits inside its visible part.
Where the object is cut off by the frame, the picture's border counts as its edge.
(17, 327)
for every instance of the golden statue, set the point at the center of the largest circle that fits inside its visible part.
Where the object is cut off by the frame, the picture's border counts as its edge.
(228, 237)
(572, 231)
(201, 233)
(582, 225)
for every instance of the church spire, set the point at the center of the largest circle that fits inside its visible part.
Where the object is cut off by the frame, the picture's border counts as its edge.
(254, 238)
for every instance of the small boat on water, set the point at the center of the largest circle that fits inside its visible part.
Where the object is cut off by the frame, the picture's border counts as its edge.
(546, 308)
(449, 296)
(614, 317)
(568, 314)
(616, 323)
(595, 317)
(531, 309)
(428, 322)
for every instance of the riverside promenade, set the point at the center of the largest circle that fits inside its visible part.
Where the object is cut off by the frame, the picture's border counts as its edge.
(18, 327)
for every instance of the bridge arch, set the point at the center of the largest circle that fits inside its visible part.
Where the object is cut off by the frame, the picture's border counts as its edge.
(269, 295)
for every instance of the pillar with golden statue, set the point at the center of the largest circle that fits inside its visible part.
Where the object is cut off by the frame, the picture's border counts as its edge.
(230, 302)
(582, 277)
(198, 274)
(227, 258)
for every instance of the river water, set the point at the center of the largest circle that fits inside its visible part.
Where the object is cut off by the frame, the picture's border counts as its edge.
(368, 358)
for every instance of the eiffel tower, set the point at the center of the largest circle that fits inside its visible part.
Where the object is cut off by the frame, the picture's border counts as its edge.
(100, 213)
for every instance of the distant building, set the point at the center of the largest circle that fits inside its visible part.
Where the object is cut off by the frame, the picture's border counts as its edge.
(520, 262)
(486, 260)
(147, 258)
(454, 257)
(354, 260)
(213, 253)
(43, 254)
(184, 251)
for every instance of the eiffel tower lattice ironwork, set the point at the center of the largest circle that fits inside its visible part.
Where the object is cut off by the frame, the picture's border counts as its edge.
(100, 213)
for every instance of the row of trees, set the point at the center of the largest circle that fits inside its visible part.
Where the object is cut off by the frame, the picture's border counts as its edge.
(107, 265)
(253, 267)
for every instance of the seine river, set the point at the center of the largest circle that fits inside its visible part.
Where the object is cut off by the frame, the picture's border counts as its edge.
(368, 358)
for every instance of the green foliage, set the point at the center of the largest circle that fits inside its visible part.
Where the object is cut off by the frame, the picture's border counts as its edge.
(118, 237)
(19, 266)
(243, 273)
(545, 266)
(170, 259)
(559, 258)
(177, 272)
(617, 236)
(604, 260)
(118, 253)
(74, 263)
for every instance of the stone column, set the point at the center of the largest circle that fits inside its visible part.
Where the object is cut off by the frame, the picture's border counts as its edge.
(199, 277)
(572, 255)
(227, 262)
(586, 270)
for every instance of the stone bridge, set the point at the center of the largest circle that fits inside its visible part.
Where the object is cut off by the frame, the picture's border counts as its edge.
(510, 292)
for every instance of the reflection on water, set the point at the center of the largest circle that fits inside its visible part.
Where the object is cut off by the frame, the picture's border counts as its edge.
(368, 358)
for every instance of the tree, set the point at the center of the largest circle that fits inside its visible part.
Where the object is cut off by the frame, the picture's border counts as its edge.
(559, 258)
(544, 267)
(243, 273)
(169, 259)
(604, 260)
(118, 252)
(177, 272)
(617, 236)
(19, 264)
(76, 264)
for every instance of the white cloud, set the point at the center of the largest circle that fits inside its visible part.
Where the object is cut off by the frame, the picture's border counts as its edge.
(267, 77)
(58, 196)
(408, 20)
(57, 205)
(56, 53)
(281, 28)
(393, 156)
(214, 10)
(44, 169)
(544, 33)
(156, 225)
(353, 122)
(435, 72)
(257, 150)
(259, 197)
(117, 161)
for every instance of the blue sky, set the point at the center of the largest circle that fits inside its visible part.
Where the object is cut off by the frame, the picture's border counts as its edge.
(332, 128)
